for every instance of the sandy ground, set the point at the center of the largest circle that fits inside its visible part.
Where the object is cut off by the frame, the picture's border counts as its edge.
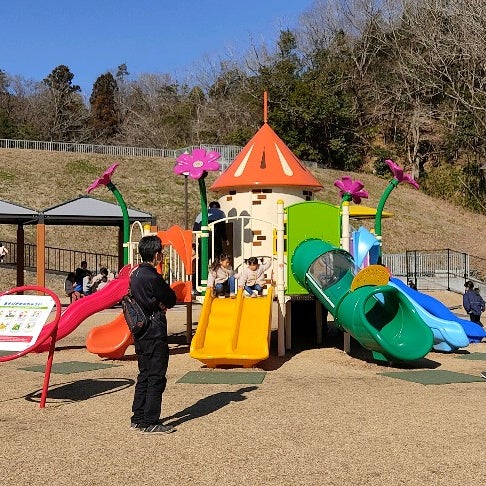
(320, 417)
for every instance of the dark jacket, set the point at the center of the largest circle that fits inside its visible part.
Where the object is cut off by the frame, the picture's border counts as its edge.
(150, 289)
(473, 303)
(80, 273)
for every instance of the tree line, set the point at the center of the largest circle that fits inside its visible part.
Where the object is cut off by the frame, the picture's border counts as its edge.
(354, 83)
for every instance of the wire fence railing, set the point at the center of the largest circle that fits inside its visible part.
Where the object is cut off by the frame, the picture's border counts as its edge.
(60, 260)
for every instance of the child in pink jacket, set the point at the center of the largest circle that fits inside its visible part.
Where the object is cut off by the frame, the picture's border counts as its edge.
(221, 277)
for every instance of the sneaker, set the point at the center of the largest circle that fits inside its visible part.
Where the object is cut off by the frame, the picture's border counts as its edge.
(483, 374)
(232, 296)
(254, 293)
(135, 426)
(158, 429)
(220, 296)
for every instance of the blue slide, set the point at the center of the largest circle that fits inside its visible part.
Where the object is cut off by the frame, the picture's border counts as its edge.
(448, 335)
(474, 332)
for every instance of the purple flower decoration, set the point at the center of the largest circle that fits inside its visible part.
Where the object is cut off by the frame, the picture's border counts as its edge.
(104, 180)
(399, 175)
(197, 163)
(351, 189)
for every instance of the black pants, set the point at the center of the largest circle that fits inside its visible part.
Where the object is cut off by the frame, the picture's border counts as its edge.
(153, 360)
(475, 318)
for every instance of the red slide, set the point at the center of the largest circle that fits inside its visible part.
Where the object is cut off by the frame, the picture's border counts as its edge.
(78, 311)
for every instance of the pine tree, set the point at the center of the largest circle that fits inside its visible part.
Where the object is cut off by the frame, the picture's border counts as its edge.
(105, 116)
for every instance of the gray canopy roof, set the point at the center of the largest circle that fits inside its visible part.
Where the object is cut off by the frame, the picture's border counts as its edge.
(15, 214)
(84, 210)
(88, 211)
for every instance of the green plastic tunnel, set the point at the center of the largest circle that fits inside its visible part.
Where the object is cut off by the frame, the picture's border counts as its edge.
(380, 318)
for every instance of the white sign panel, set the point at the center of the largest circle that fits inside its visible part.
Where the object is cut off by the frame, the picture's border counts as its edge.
(22, 318)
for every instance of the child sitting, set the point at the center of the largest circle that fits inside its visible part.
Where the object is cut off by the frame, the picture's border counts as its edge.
(252, 278)
(69, 285)
(221, 277)
(87, 283)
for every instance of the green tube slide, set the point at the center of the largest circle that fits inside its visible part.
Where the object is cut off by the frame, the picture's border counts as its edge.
(380, 318)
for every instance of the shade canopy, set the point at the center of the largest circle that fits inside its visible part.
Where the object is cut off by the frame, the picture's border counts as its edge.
(82, 211)
(87, 211)
(15, 214)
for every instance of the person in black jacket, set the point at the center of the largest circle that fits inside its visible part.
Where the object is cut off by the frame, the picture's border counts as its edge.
(473, 303)
(215, 213)
(154, 296)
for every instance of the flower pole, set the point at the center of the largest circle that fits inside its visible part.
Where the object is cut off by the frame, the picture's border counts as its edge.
(105, 180)
(196, 165)
(349, 190)
(398, 176)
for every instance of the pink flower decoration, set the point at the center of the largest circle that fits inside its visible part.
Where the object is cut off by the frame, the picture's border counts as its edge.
(105, 179)
(353, 189)
(398, 174)
(196, 163)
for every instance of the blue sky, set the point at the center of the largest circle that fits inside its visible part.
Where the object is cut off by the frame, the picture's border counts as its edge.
(92, 37)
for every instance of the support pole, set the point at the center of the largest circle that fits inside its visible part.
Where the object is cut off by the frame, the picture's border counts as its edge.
(281, 277)
(345, 244)
(41, 251)
(204, 235)
(20, 255)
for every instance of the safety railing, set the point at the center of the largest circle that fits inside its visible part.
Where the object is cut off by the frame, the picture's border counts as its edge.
(60, 260)
(438, 269)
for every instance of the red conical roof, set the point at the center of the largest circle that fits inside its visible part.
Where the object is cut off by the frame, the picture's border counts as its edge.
(266, 161)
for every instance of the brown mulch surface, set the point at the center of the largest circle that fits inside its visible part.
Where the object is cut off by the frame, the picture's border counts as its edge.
(320, 417)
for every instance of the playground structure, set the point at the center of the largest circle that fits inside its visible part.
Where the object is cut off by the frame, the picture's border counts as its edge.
(384, 318)
(268, 198)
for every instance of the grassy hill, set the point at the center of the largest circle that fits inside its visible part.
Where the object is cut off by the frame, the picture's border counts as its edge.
(39, 180)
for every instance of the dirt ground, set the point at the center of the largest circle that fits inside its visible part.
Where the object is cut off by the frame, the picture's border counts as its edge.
(320, 417)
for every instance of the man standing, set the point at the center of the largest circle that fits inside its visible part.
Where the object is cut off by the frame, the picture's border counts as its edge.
(154, 296)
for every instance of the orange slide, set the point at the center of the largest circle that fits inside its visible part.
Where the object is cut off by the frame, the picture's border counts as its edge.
(112, 340)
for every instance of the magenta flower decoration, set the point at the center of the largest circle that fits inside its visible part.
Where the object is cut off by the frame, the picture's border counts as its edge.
(398, 174)
(197, 163)
(104, 180)
(349, 189)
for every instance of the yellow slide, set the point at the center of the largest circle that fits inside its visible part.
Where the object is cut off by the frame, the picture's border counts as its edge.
(233, 331)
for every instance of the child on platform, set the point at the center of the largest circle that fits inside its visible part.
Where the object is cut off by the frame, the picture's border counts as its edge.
(252, 278)
(221, 277)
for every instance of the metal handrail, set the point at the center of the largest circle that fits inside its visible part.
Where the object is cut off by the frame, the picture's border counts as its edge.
(60, 260)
